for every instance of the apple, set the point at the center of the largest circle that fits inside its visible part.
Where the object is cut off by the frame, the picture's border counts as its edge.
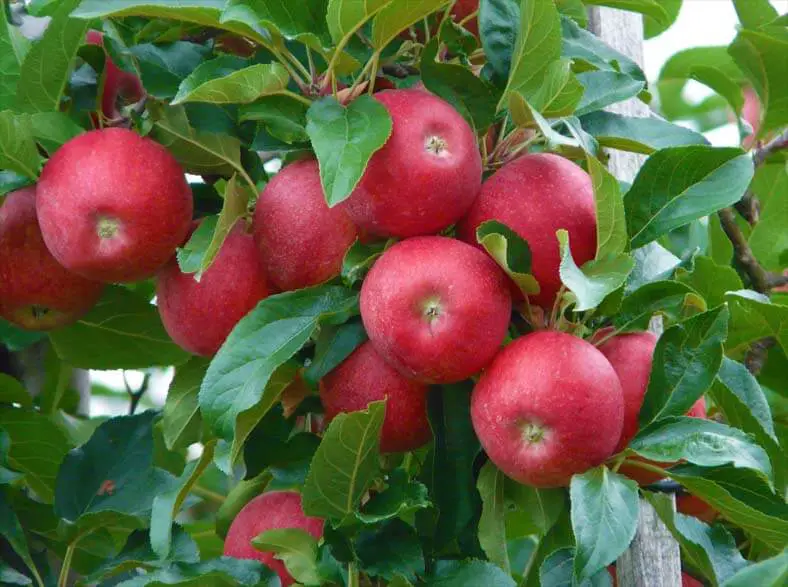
(463, 9)
(436, 308)
(536, 195)
(365, 377)
(427, 174)
(270, 511)
(36, 292)
(751, 113)
(118, 84)
(113, 205)
(301, 240)
(199, 315)
(691, 505)
(549, 406)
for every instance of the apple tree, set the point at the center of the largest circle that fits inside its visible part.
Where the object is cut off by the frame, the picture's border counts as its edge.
(423, 330)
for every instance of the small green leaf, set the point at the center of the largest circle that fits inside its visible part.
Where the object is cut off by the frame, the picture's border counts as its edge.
(454, 573)
(13, 392)
(681, 184)
(333, 346)
(12, 53)
(650, 8)
(710, 280)
(754, 13)
(18, 151)
(499, 22)
(163, 67)
(510, 251)
(604, 518)
(224, 571)
(611, 227)
(581, 44)
(557, 571)
(752, 319)
(768, 239)
(191, 255)
(345, 17)
(653, 27)
(638, 135)
(282, 116)
(531, 511)
(359, 259)
(181, 416)
(561, 91)
(670, 299)
(344, 139)
(397, 16)
(390, 550)
(296, 548)
(596, 280)
(772, 572)
(351, 444)
(524, 115)
(12, 531)
(401, 497)
(307, 24)
(53, 129)
(603, 88)
(492, 524)
(225, 80)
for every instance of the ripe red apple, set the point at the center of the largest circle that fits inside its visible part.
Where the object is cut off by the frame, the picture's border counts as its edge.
(535, 196)
(426, 175)
(301, 240)
(435, 308)
(36, 292)
(270, 511)
(118, 84)
(199, 315)
(113, 206)
(464, 8)
(549, 406)
(365, 377)
(691, 505)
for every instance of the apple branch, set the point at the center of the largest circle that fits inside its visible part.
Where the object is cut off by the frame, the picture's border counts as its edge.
(759, 277)
(777, 144)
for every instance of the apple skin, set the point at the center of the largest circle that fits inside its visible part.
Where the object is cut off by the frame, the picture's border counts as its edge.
(691, 505)
(270, 511)
(426, 175)
(549, 406)
(536, 195)
(462, 9)
(113, 205)
(36, 292)
(365, 377)
(199, 315)
(435, 308)
(301, 240)
(117, 83)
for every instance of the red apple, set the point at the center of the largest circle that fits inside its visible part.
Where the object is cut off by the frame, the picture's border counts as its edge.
(549, 406)
(694, 506)
(535, 196)
(36, 292)
(270, 511)
(113, 206)
(365, 377)
(463, 9)
(435, 308)
(301, 240)
(426, 175)
(118, 84)
(199, 315)
(751, 113)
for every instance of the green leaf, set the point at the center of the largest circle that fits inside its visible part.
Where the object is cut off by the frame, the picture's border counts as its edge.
(753, 319)
(652, 8)
(181, 415)
(262, 341)
(603, 88)
(768, 239)
(681, 184)
(123, 331)
(560, 92)
(350, 445)
(307, 24)
(359, 259)
(468, 572)
(526, 116)
(531, 511)
(608, 200)
(499, 22)
(772, 572)
(345, 17)
(10, 181)
(710, 280)
(401, 497)
(12, 531)
(296, 548)
(217, 572)
(754, 13)
(47, 66)
(282, 116)
(224, 80)
(510, 251)
(716, 79)
(18, 151)
(492, 524)
(13, 392)
(53, 129)
(686, 361)
(344, 139)
(556, 571)
(10, 576)
(12, 50)
(470, 95)
(759, 55)
(710, 549)
(559, 536)
(581, 44)
(701, 442)
(638, 135)
(38, 446)
(653, 27)
(397, 16)
(390, 551)
(333, 346)
(596, 280)
(167, 504)
(670, 299)
(574, 9)
(192, 254)
(604, 518)
(163, 67)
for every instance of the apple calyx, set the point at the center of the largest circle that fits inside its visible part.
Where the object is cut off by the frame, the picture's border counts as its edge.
(533, 433)
(431, 309)
(436, 145)
(107, 227)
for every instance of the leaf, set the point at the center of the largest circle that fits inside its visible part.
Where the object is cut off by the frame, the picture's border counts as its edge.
(510, 251)
(166, 505)
(498, 27)
(38, 446)
(221, 81)
(12, 531)
(710, 280)
(468, 572)
(604, 518)
(344, 465)
(525, 116)
(306, 24)
(603, 88)
(710, 549)
(345, 17)
(772, 572)
(123, 331)
(53, 129)
(560, 92)
(333, 346)
(559, 536)
(47, 66)
(596, 280)
(716, 79)
(217, 572)
(686, 360)
(262, 341)
(10, 576)
(669, 299)
(579, 43)
(681, 184)
(758, 55)
(401, 497)
(608, 201)
(397, 16)
(236, 202)
(344, 139)
(18, 151)
(359, 259)
(191, 255)
(492, 524)
(638, 135)
(556, 571)
(181, 415)
(296, 548)
(163, 67)
(391, 550)
(13, 392)
(768, 240)
(531, 511)
(282, 116)
(650, 8)
(753, 319)
(12, 50)
(653, 27)
(471, 96)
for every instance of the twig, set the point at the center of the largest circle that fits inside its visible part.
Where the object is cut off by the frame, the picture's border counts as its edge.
(136, 396)
(777, 144)
(741, 248)
(756, 357)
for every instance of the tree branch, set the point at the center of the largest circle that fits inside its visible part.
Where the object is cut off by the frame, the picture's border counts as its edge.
(759, 277)
(777, 144)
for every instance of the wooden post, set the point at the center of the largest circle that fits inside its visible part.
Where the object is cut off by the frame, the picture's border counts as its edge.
(653, 559)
